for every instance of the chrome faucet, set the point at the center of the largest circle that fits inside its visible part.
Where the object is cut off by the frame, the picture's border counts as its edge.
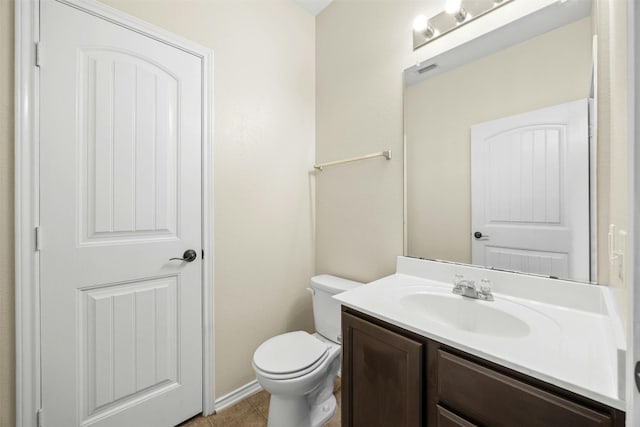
(467, 288)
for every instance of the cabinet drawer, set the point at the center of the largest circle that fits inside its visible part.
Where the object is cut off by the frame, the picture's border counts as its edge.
(449, 419)
(491, 398)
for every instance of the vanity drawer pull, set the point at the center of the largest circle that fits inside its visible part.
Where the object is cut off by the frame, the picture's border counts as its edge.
(495, 399)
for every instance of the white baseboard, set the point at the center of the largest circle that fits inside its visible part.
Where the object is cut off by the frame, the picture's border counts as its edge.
(237, 395)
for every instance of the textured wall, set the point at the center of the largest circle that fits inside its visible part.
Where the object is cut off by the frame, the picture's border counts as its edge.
(360, 49)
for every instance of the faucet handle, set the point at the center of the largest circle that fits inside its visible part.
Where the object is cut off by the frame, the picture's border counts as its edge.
(457, 284)
(485, 289)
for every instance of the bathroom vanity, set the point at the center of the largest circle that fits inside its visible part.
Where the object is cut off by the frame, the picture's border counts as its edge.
(418, 381)
(414, 354)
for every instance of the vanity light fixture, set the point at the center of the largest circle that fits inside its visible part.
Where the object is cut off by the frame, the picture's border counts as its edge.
(456, 13)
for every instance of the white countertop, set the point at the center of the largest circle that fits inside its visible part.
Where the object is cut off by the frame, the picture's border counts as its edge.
(574, 348)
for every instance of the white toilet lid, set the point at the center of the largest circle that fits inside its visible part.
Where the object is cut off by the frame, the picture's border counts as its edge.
(288, 353)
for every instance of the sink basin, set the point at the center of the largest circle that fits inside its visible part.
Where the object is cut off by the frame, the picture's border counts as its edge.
(478, 317)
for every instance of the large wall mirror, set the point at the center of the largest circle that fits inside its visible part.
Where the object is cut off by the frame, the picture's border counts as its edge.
(505, 166)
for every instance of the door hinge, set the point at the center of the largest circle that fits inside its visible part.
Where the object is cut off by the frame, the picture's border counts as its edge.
(38, 239)
(38, 54)
(39, 418)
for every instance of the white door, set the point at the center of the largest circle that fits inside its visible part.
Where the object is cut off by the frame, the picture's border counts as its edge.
(120, 180)
(530, 192)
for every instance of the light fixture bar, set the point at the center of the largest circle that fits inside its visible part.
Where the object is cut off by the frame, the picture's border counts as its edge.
(456, 14)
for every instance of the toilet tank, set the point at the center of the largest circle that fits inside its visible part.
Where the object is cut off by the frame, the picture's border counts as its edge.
(326, 310)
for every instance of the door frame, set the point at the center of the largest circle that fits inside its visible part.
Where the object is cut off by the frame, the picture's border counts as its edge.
(633, 267)
(27, 192)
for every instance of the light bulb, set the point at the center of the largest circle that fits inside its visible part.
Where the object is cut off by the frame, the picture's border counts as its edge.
(452, 7)
(455, 9)
(420, 23)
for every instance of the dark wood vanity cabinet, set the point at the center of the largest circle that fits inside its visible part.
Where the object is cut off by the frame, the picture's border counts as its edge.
(385, 380)
(394, 378)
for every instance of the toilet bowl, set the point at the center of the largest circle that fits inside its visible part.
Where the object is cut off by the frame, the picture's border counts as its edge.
(298, 369)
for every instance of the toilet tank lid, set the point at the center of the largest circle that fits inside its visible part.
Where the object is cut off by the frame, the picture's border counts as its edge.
(333, 284)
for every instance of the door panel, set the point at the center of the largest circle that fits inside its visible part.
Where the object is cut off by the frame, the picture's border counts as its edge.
(525, 169)
(536, 262)
(530, 192)
(131, 347)
(120, 171)
(129, 157)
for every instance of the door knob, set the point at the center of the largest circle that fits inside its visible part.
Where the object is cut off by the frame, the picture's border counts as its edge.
(188, 256)
(479, 236)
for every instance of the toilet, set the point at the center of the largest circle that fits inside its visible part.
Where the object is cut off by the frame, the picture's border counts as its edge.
(298, 369)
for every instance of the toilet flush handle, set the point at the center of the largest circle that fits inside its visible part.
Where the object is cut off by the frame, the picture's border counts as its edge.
(311, 291)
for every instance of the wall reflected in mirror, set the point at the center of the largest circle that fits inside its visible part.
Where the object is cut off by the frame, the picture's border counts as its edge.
(504, 167)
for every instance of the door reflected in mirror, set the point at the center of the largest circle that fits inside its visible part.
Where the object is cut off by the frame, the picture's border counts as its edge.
(530, 192)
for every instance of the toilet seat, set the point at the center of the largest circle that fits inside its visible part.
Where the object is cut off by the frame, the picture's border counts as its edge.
(297, 374)
(290, 355)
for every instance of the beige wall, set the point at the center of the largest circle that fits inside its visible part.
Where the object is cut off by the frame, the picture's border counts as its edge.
(264, 96)
(360, 48)
(547, 70)
(611, 27)
(7, 349)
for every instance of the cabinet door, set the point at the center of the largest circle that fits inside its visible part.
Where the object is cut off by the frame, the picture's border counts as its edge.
(382, 380)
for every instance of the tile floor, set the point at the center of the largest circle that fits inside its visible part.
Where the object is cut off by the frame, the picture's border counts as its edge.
(251, 412)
